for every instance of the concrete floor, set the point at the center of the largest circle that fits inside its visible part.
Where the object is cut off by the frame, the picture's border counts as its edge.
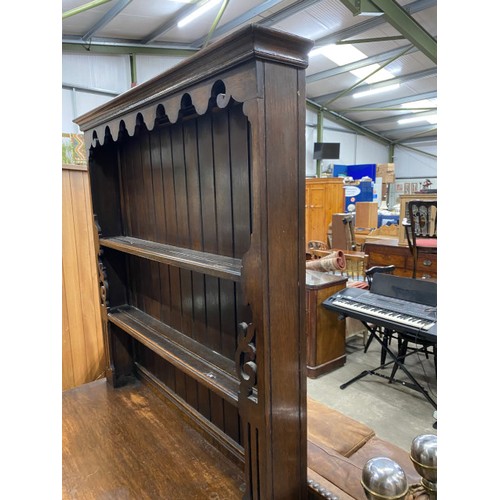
(396, 413)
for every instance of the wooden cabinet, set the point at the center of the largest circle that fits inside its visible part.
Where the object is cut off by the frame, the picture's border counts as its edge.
(385, 252)
(324, 197)
(403, 200)
(325, 332)
(197, 180)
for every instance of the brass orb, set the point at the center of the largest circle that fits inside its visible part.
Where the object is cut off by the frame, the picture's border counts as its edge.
(383, 479)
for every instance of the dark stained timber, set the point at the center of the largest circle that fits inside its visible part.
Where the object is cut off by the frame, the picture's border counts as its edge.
(197, 180)
(211, 264)
(203, 364)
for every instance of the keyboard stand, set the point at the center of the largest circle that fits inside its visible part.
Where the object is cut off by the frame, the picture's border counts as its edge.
(399, 361)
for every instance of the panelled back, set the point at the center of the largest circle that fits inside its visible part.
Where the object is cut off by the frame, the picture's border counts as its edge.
(188, 184)
(205, 308)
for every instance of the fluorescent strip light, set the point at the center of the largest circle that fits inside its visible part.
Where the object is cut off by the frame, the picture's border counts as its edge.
(198, 12)
(376, 91)
(428, 118)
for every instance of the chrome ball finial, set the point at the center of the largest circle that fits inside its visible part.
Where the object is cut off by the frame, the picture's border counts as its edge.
(423, 454)
(383, 479)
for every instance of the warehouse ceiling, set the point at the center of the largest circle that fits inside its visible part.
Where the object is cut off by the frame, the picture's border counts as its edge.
(373, 67)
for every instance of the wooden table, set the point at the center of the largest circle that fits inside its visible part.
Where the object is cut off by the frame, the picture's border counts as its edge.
(325, 332)
(384, 252)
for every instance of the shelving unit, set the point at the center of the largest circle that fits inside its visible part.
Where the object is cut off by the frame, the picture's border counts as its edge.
(197, 181)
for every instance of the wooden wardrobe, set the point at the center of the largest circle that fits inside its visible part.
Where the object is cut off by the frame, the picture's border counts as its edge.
(324, 197)
(197, 181)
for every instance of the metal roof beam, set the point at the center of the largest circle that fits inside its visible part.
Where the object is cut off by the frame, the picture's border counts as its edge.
(420, 151)
(216, 22)
(395, 102)
(322, 99)
(364, 110)
(91, 90)
(172, 21)
(83, 8)
(348, 123)
(402, 116)
(397, 17)
(417, 140)
(321, 75)
(364, 26)
(419, 129)
(114, 46)
(371, 40)
(107, 18)
(294, 8)
(238, 21)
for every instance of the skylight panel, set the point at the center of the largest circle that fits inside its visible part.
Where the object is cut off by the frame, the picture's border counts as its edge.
(346, 54)
(339, 54)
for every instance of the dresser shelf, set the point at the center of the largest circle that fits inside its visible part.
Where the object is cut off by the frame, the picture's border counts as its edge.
(204, 365)
(219, 266)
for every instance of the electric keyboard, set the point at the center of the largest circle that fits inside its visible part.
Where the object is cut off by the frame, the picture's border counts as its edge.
(401, 304)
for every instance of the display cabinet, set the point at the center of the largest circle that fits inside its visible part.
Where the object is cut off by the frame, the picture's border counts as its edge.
(403, 210)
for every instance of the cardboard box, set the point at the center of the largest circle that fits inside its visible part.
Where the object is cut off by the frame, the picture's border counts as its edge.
(387, 172)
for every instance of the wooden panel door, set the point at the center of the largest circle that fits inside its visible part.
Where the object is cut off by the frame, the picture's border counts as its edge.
(316, 207)
(324, 197)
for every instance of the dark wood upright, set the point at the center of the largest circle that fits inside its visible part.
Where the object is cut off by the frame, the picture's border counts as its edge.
(197, 180)
(324, 331)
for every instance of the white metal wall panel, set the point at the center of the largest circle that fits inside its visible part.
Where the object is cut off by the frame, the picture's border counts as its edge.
(369, 151)
(311, 135)
(68, 127)
(108, 72)
(412, 164)
(74, 104)
(149, 66)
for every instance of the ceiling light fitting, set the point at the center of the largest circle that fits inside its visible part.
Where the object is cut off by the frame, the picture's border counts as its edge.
(198, 12)
(387, 88)
(429, 118)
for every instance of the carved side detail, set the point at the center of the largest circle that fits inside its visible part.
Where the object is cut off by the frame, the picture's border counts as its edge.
(102, 276)
(245, 359)
(103, 283)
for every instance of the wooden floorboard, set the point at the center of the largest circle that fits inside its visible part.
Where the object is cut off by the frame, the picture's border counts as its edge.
(129, 444)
